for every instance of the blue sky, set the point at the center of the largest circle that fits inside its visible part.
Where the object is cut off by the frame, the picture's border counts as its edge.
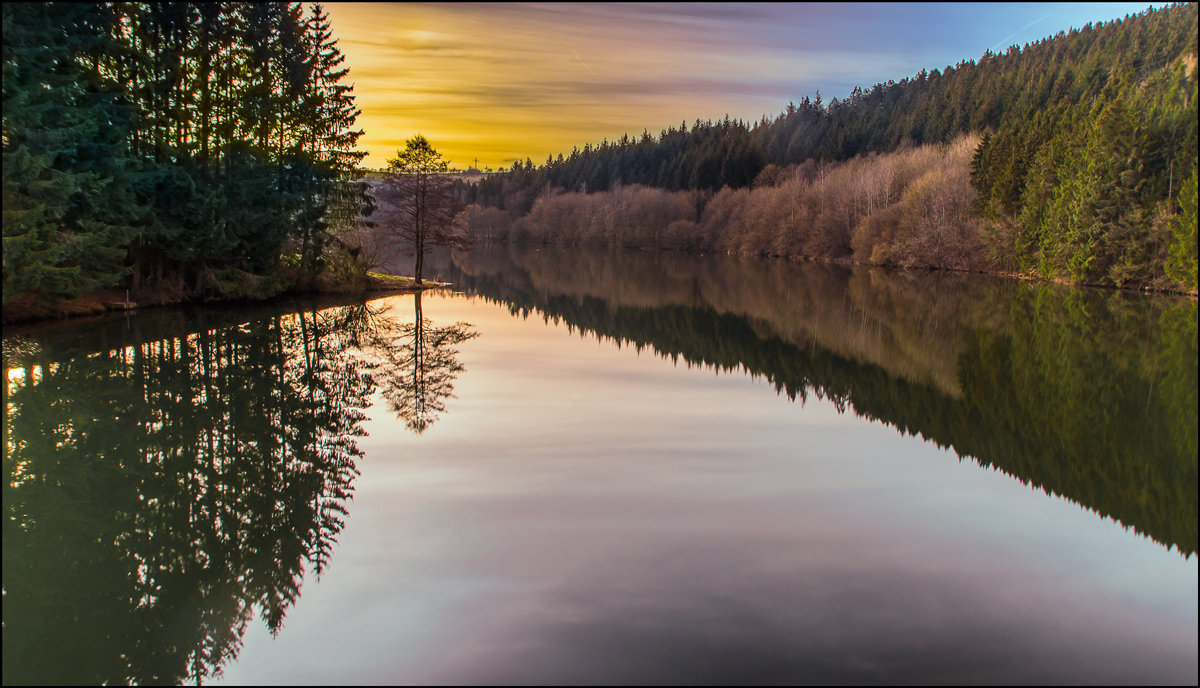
(505, 81)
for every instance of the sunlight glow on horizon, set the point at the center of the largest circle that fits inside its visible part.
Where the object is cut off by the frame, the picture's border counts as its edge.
(504, 81)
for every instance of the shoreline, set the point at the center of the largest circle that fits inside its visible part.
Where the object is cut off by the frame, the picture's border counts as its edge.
(116, 300)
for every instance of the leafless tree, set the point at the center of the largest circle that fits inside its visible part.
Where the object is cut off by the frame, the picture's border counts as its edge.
(416, 204)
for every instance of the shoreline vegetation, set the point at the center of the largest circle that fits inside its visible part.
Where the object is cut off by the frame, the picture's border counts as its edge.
(175, 152)
(117, 300)
(1072, 159)
(187, 152)
(913, 208)
(170, 153)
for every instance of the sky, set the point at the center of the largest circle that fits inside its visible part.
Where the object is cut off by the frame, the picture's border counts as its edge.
(491, 83)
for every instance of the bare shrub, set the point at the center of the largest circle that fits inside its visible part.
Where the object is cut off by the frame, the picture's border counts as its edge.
(723, 216)
(631, 216)
(911, 207)
(487, 224)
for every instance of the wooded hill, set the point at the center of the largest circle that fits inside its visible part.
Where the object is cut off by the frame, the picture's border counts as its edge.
(1085, 167)
(178, 149)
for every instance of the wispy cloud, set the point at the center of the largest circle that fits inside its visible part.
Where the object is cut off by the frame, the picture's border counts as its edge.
(1004, 42)
(508, 80)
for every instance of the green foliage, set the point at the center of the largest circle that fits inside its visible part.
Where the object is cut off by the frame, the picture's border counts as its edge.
(418, 157)
(1181, 267)
(67, 201)
(1086, 137)
(1093, 203)
(162, 141)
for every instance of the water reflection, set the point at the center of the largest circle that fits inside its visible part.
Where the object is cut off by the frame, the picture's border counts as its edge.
(418, 365)
(169, 478)
(1086, 394)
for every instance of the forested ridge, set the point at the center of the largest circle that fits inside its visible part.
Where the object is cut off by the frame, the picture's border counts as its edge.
(1084, 166)
(180, 150)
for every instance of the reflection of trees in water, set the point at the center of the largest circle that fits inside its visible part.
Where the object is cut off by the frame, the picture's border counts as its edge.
(1085, 394)
(159, 495)
(419, 366)
(414, 364)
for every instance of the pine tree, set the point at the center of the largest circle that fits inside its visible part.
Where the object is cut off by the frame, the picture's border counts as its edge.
(1181, 266)
(67, 200)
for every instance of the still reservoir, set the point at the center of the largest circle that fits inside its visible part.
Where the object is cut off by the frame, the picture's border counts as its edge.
(625, 467)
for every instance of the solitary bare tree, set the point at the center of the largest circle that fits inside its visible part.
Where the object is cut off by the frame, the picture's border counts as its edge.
(416, 203)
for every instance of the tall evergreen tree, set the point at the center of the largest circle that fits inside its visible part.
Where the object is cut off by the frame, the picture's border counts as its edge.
(176, 142)
(67, 197)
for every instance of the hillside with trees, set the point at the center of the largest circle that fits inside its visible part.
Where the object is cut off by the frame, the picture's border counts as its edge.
(1084, 168)
(181, 150)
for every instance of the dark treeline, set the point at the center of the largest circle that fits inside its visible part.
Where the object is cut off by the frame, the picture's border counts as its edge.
(1083, 394)
(709, 156)
(1086, 169)
(178, 149)
(169, 478)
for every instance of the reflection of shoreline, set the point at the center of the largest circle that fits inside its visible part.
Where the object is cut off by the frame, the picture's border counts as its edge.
(171, 476)
(798, 302)
(77, 336)
(1086, 395)
(161, 493)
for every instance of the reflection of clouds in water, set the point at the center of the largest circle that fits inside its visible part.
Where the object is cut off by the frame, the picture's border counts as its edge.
(673, 525)
(696, 615)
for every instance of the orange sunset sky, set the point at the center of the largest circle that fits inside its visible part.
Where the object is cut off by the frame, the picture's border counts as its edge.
(500, 82)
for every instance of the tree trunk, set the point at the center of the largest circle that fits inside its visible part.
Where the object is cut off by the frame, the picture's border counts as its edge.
(420, 262)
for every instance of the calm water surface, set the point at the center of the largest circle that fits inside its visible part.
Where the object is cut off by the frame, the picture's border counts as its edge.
(598, 468)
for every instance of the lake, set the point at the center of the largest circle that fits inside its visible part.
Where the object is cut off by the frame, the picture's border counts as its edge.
(597, 467)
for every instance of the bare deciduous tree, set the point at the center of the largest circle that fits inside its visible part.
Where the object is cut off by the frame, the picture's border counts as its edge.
(416, 202)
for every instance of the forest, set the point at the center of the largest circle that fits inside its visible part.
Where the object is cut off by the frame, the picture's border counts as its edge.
(1072, 159)
(180, 150)
(183, 151)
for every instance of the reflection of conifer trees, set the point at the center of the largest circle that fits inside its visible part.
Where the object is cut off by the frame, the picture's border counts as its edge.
(419, 366)
(158, 496)
(1085, 395)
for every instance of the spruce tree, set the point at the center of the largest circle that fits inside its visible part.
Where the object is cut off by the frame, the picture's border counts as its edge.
(67, 198)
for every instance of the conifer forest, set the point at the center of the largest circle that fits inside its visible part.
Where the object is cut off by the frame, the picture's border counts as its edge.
(1072, 158)
(892, 385)
(185, 149)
